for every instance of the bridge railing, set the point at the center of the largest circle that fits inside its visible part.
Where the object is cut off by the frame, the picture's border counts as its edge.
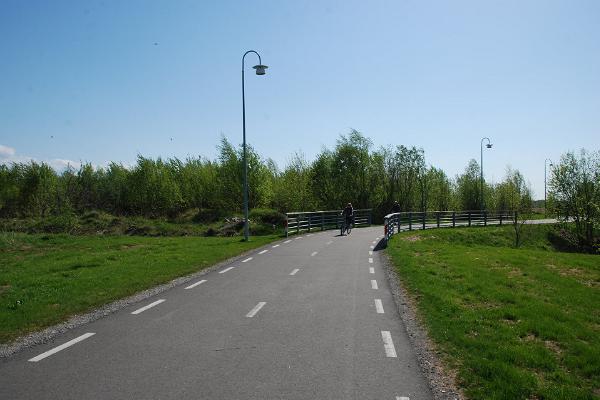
(303, 221)
(408, 221)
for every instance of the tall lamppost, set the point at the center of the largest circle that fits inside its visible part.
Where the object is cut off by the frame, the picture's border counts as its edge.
(545, 190)
(260, 70)
(489, 146)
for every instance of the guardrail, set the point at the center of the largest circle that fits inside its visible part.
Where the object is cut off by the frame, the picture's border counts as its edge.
(408, 221)
(322, 220)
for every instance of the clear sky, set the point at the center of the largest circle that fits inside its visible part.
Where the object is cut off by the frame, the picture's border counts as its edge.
(103, 81)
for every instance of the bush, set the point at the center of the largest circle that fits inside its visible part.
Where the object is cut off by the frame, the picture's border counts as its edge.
(267, 216)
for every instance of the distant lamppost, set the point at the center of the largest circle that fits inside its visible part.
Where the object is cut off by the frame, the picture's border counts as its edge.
(260, 70)
(545, 190)
(489, 146)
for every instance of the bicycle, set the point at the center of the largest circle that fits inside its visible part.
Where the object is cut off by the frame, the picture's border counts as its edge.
(346, 227)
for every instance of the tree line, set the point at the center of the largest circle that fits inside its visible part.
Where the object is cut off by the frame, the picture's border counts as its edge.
(353, 171)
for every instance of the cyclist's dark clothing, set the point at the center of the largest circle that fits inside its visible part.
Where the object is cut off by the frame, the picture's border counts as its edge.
(348, 213)
(396, 208)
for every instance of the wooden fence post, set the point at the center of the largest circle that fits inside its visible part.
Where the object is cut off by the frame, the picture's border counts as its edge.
(469, 218)
(410, 221)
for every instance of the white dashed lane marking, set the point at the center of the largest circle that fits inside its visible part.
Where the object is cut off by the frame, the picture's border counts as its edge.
(299, 237)
(370, 260)
(287, 241)
(372, 247)
(314, 253)
(275, 246)
(374, 284)
(370, 252)
(196, 284)
(247, 259)
(294, 271)
(61, 347)
(331, 241)
(402, 398)
(263, 252)
(378, 306)
(256, 309)
(388, 344)
(374, 241)
(226, 269)
(371, 270)
(139, 310)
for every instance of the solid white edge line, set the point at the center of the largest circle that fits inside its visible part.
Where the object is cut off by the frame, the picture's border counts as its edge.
(314, 253)
(226, 269)
(378, 306)
(388, 344)
(247, 259)
(262, 252)
(371, 270)
(370, 260)
(196, 284)
(139, 310)
(294, 271)
(61, 347)
(287, 241)
(256, 309)
(374, 284)
(275, 245)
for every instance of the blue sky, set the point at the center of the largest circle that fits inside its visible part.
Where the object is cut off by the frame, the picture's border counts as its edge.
(103, 81)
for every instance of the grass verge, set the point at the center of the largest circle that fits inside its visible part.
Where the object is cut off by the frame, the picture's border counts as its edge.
(514, 323)
(44, 279)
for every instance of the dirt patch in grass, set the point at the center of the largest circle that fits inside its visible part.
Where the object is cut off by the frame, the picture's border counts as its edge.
(4, 288)
(413, 238)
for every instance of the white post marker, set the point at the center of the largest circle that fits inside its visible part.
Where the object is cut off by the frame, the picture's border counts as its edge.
(374, 284)
(262, 252)
(139, 310)
(247, 259)
(226, 269)
(388, 344)
(61, 347)
(370, 260)
(256, 309)
(196, 284)
(378, 306)
(371, 270)
(294, 271)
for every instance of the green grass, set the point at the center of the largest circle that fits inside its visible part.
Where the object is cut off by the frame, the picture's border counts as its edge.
(514, 323)
(44, 279)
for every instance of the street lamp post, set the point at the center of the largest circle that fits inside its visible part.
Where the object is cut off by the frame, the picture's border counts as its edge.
(489, 146)
(260, 70)
(545, 190)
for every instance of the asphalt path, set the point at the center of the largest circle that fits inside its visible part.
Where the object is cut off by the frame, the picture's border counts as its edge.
(312, 317)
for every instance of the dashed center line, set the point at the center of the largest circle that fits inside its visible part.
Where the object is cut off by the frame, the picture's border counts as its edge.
(287, 241)
(299, 237)
(371, 270)
(374, 284)
(372, 247)
(374, 241)
(294, 271)
(276, 245)
(310, 234)
(61, 347)
(388, 344)
(256, 309)
(226, 269)
(370, 252)
(314, 253)
(378, 306)
(370, 260)
(262, 252)
(196, 284)
(139, 310)
(331, 241)
(247, 259)
(402, 398)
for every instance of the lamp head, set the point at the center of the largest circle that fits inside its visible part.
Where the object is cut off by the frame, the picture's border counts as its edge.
(260, 69)
(489, 145)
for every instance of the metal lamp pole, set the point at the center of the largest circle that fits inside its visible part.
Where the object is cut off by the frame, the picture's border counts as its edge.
(260, 70)
(489, 146)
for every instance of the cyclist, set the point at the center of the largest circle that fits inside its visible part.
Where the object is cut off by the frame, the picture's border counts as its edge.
(348, 214)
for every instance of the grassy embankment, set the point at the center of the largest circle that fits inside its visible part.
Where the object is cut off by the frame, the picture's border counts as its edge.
(514, 323)
(46, 278)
